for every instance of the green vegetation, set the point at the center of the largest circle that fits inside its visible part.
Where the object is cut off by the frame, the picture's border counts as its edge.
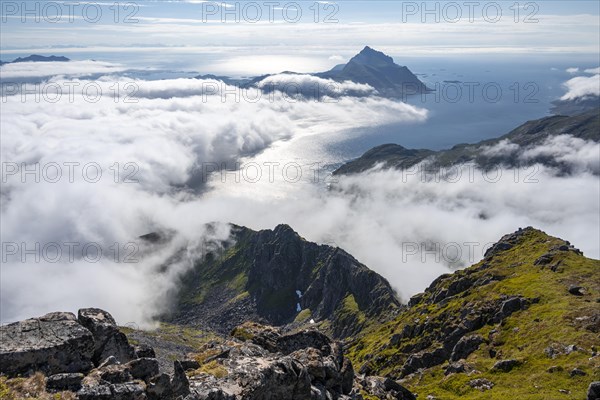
(213, 368)
(350, 311)
(558, 319)
(303, 315)
(32, 388)
(179, 334)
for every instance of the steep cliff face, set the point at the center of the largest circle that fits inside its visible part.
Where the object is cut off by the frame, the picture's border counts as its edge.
(277, 277)
(524, 322)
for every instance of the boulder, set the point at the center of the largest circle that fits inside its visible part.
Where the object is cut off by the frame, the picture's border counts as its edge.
(128, 391)
(457, 368)
(593, 392)
(159, 387)
(55, 343)
(189, 364)
(143, 368)
(109, 341)
(144, 351)
(424, 359)
(465, 346)
(481, 384)
(95, 392)
(510, 306)
(576, 290)
(506, 365)
(180, 384)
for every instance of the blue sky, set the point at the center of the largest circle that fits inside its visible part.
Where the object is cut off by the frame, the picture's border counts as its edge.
(191, 34)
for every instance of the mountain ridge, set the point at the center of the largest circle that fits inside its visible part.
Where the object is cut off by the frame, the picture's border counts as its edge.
(584, 126)
(278, 278)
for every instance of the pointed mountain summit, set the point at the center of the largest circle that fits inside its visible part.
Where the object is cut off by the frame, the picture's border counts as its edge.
(369, 56)
(378, 70)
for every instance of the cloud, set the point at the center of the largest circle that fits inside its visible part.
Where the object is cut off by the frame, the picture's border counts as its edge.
(581, 87)
(503, 148)
(580, 154)
(572, 70)
(312, 86)
(159, 137)
(592, 71)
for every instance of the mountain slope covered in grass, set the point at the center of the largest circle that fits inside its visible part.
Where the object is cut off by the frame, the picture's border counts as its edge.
(523, 323)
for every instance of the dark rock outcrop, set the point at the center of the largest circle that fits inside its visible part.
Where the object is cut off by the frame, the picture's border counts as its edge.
(109, 341)
(465, 346)
(60, 382)
(55, 343)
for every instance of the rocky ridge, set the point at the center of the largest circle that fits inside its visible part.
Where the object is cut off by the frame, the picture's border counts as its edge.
(277, 278)
(88, 358)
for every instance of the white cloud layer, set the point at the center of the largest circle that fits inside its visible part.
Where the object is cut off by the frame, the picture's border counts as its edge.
(177, 125)
(168, 130)
(314, 86)
(582, 86)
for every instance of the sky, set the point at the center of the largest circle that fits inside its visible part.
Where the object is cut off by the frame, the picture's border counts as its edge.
(238, 38)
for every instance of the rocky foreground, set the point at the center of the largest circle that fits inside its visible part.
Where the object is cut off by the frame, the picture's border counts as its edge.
(87, 357)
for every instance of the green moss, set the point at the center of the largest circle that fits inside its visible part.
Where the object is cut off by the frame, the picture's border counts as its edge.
(213, 368)
(349, 311)
(303, 315)
(242, 334)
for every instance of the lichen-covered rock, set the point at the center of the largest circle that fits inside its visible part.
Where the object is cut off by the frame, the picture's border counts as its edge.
(481, 384)
(109, 341)
(305, 365)
(54, 343)
(465, 346)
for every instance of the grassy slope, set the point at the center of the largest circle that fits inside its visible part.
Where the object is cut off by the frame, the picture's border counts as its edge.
(559, 317)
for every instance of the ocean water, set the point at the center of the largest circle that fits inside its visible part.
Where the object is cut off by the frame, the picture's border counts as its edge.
(476, 99)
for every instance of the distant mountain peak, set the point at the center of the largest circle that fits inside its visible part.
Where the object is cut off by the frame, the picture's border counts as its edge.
(369, 56)
(38, 58)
